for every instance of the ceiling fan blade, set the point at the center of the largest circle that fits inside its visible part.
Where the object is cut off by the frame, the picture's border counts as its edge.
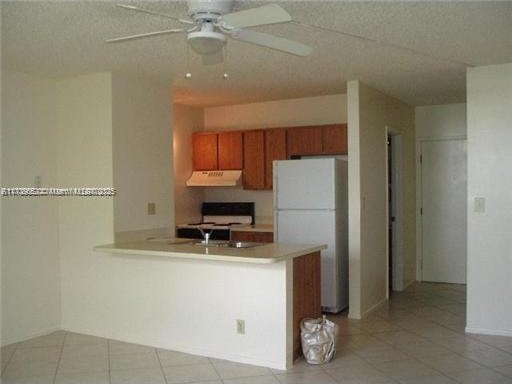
(149, 12)
(214, 58)
(144, 35)
(274, 42)
(267, 14)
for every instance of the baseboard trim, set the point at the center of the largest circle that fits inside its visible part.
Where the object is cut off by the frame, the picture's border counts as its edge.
(374, 308)
(486, 331)
(44, 332)
(194, 351)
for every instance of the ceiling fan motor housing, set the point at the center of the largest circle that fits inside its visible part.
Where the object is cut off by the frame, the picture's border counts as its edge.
(200, 9)
(206, 41)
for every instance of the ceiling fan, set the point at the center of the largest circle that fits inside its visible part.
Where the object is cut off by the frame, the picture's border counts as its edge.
(211, 21)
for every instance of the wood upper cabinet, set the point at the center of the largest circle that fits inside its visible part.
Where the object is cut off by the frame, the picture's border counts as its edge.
(254, 151)
(230, 150)
(304, 140)
(254, 159)
(317, 140)
(334, 139)
(275, 149)
(204, 151)
(261, 148)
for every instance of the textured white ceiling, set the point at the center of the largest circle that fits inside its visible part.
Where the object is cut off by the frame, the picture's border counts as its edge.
(425, 64)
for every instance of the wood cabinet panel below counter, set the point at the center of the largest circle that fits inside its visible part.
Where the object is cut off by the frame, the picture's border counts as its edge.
(257, 237)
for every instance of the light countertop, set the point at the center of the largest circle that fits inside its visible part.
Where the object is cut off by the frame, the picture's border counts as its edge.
(253, 228)
(177, 248)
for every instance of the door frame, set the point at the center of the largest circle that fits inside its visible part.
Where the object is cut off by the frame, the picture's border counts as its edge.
(397, 259)
(419, 201)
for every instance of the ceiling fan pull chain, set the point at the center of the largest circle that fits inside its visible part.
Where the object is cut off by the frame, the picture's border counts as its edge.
(188, 74)
(225, 75)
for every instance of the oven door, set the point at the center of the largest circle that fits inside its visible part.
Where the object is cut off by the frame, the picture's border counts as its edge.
(193, 233)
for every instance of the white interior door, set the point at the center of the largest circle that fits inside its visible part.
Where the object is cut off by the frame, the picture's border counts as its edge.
(443, 191)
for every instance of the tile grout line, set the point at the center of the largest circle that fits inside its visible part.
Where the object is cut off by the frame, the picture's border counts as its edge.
(60, 357)
(216, 371)
(161, 366)
(415, 358)
(392, 315)
(108, 362)
(8, 361)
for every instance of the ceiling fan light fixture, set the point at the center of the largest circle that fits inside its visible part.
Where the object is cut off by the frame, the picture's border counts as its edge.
(206, 43)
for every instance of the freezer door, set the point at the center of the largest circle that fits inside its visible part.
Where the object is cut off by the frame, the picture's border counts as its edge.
(315, 227)
(305, 184)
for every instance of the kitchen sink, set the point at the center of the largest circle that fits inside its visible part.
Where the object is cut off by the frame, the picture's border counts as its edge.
(227, 244)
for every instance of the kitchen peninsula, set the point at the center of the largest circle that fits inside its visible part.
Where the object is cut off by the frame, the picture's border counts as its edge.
(238, 304)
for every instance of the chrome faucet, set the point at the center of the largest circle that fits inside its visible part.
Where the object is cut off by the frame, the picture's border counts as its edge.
(206, 235)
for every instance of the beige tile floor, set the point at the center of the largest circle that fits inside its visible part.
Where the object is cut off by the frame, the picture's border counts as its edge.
(417, 338)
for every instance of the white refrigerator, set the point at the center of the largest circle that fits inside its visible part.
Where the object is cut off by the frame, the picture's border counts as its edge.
(310, 207)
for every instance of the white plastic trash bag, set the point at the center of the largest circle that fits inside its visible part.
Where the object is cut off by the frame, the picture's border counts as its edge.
(318, 337)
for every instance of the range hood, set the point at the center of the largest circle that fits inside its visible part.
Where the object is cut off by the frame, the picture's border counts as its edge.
(214, 179)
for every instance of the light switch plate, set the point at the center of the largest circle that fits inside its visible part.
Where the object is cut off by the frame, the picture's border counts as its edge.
(240, 327)
(151, 208)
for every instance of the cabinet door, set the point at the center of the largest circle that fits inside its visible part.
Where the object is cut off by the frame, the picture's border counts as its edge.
(258, 237)
(304, 141)
(334, 139)
(306, 294)
(254, 160)
(204, 151)
(275, 149)
(230, 150)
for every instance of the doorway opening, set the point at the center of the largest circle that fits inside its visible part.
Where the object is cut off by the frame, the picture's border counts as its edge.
(396, 271)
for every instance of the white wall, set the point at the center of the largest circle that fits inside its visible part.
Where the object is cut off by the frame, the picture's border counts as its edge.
(187, 199)
(440, 122)
(317, 110)
(84, 131)
(152, 301)
(489, 108)
(370, 112)
(30, 263)
(142, 154)
(281, 113)
(192, 306)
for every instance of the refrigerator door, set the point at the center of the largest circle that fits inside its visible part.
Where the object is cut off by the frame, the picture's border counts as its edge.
(305, 184)
(315, 227)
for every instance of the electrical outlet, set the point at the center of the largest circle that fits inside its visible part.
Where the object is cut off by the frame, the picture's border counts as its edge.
(151, 208)
(240, 327)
